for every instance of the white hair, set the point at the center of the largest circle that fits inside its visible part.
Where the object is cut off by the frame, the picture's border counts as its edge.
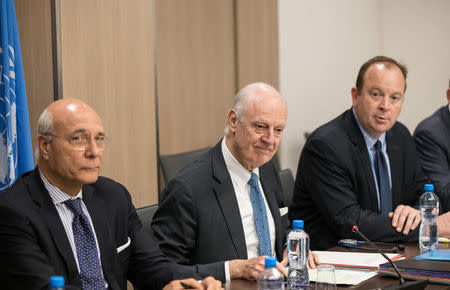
(240, 100)
(45, 128)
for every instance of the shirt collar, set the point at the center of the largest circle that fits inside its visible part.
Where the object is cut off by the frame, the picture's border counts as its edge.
(370, 141)
(239, 174)
(58, 196)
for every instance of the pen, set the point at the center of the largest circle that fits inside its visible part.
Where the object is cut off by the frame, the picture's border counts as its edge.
(443, 240)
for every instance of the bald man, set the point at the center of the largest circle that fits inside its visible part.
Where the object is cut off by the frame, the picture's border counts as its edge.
(207, 214)
(63, 219)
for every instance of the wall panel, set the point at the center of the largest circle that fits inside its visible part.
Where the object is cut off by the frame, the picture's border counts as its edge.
(257, 42)
(195, 71)
(107, 61)
(35, 32)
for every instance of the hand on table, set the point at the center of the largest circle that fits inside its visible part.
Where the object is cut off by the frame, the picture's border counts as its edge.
(405, 218)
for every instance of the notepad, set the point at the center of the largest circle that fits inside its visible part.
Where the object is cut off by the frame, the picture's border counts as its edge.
(436, 254)
(354, 260)
(345, 276)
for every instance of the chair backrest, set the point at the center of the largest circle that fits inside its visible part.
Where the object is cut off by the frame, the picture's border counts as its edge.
(172, 164)
(287, 185)
(146, 215)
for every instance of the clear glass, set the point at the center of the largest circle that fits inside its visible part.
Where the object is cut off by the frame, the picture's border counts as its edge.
(326, 278)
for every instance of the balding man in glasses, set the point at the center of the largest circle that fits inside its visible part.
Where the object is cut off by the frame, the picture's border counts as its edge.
(63, 219)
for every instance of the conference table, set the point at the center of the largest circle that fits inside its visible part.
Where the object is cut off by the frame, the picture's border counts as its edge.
(411, 250)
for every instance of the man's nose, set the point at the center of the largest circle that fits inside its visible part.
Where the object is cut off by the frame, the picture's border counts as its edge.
(92, 149)
(384, 103)
(269, 137)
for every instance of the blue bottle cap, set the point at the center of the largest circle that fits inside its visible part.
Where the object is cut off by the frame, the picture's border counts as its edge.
(270, 262)
(56, 281)
(428, 187)
(297, 224)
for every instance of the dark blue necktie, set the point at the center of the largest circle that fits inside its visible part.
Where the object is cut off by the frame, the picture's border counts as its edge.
(260, 217)
(384, 186)
(88, 259)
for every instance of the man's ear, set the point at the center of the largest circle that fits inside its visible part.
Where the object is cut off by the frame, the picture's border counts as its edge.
(232, 120)
(355, 95)
(448, 95)
(43, 146)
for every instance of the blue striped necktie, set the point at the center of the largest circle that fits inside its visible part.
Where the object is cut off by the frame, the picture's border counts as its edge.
(384, 185)
(87, 254)
(260, 217)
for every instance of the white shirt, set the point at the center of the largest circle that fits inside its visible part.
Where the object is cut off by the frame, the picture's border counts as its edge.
(59, 197)
(240, 177)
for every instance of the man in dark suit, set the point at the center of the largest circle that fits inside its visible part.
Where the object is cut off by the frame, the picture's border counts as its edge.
(361, 168)
(63, 219)
(207, 214)
(432, 138)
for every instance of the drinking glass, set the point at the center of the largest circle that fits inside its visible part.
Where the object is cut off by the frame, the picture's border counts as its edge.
(326, 279)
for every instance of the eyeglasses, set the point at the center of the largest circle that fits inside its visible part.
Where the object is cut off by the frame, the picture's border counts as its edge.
(81, 142)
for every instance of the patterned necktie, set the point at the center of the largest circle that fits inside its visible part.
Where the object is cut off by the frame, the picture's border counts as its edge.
(260, 217)
(384, 186)
(90, 269)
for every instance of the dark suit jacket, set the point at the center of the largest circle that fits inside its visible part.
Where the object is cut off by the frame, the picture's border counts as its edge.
(198, 220)
(432, 138)
(34, 244)
(335, 187)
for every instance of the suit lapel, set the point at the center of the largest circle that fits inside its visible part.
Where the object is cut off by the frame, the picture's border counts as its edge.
(270, 192)
(51, 217)
(395, 162)
(357, 139)
(224, 190)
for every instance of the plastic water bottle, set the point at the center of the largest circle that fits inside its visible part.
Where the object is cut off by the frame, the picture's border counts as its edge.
(429, 211)
(298, 253)
(57, 282)
(270, 278)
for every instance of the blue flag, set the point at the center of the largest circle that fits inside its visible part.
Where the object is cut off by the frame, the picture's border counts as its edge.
(16, 154)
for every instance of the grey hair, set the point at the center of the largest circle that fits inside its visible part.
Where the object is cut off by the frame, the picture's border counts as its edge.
(241, 99)
(45, 128)
(45, 124)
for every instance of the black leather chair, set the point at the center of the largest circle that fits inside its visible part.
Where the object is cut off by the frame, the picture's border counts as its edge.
(287, 185)
(146, 215)
(172, 164)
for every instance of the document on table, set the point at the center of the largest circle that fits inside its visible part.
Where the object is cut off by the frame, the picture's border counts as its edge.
(354, 260)
(346, 277)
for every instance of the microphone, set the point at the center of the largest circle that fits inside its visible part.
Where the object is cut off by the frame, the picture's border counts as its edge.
(410, 285)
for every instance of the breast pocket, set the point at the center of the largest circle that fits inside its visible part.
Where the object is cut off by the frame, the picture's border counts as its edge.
(123, 252)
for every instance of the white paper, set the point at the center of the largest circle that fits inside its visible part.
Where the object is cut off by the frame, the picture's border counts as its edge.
(353, 259)
(346, 277)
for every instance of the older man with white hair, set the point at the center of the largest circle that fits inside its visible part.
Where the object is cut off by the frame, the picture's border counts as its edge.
(224, 213)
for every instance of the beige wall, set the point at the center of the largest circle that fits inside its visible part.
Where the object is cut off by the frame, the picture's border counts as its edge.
(35, 32)
(110, 52)
(323, 43)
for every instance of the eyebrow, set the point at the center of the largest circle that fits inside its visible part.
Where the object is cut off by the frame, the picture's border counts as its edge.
(85, 131)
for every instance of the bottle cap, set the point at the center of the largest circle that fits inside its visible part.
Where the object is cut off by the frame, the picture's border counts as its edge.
(270, 262)
(56, 281)
(297, 224)
(428, 187)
